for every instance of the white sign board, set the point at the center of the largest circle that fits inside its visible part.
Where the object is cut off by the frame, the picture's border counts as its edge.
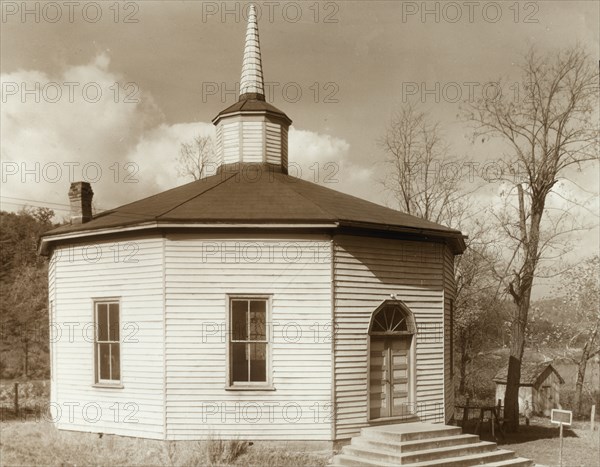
(564, 417)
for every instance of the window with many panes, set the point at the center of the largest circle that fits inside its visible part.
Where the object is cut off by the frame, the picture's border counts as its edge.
(107, 342)
(248, 342)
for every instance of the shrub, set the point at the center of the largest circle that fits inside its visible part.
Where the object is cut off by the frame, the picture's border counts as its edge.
(223, 452)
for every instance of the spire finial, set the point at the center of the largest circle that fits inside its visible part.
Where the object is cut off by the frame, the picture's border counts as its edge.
(252, 75)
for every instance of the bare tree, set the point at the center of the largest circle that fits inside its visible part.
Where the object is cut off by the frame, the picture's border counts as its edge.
(547, 131)
(426, 181)
(195, 157)
(422, 176)
(476, 316)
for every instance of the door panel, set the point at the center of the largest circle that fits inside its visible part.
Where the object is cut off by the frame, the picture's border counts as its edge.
(390, 376)
(379, 388)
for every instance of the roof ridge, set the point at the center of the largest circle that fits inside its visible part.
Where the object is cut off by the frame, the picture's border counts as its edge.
(321, 208)
(195, 196)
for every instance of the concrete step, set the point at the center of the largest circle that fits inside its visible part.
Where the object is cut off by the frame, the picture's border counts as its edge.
(449, 451)
(410, 431)
(344, 460)
(484, 458)
(498, 458)
(515, 462)
(417, 445)
(418, 456)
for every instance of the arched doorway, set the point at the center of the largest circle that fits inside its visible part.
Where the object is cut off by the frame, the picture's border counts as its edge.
(391, 361)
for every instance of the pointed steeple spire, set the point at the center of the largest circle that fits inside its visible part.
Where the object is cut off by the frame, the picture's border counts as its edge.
(252, 131)
(252, 82)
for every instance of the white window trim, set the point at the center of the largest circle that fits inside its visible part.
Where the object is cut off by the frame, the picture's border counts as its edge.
(106, 383)
(249, 385)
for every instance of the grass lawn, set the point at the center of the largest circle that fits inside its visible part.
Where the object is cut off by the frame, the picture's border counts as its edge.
(27, 443)
(39, 443)
(540, 442)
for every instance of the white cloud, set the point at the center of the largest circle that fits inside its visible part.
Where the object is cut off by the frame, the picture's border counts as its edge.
(77, 125)
(323, 159)
(63, 132)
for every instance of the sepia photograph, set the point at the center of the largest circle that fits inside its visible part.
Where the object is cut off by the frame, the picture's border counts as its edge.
(300, 233)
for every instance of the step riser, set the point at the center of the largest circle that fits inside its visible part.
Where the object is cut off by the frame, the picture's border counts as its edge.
(415, 436)
(469, 462)
(349, 461)
(382, 456)
(517, 463)
(423, 445)
(418, 446)
(466, 451)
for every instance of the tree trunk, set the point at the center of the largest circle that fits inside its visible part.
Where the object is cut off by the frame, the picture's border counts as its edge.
(580, 378)
(520, 289)
(513, 378)
(581, 367)
(517, 347)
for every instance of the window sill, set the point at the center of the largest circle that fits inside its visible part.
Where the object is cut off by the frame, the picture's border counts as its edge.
(108, 386)
(249, 388)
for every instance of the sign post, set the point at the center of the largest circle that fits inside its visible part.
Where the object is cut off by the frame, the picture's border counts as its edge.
(561, 417)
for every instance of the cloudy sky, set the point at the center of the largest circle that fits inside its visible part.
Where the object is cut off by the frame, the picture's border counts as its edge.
(107, 91)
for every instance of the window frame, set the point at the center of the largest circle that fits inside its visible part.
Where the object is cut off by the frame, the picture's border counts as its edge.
(249, 385)
(97, 381)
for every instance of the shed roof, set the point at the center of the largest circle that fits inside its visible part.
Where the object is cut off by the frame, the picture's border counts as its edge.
(259, 195)
(531, 373)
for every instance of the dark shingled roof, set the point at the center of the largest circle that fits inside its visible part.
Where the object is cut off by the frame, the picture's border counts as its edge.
(252, 103)
(531, 373)
(261, 195)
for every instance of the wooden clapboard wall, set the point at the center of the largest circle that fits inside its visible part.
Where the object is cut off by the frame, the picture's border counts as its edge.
(131, 271)
(295, 271)
(366, 271)
(449, 299)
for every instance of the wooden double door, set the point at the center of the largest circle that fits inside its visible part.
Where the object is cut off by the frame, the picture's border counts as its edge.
(390, 377)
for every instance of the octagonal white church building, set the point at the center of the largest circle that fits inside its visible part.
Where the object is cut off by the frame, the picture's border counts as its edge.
(249, 304)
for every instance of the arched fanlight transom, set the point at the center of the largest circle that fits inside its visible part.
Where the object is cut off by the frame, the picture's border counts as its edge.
(392, 318)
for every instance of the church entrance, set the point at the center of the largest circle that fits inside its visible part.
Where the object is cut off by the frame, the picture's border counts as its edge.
(391, 362)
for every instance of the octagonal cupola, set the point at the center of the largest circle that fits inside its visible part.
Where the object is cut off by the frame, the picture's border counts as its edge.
(252, 131)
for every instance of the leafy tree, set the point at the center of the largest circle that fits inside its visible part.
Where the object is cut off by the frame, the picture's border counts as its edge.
(582, 291)
(477, 319)
(24, 290)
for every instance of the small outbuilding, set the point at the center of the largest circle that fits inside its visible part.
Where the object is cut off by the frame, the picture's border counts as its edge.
(539, 388)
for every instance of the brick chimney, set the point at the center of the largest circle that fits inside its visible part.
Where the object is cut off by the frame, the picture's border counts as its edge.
(80, 196)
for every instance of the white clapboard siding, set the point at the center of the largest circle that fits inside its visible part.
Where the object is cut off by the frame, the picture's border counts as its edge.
(295, 271)
(219, 144)
(231, 142)
(130, 270)
(51, 323)
(366, 272)
(449, 297)
(273, 143)
(253, 141)
(284, 147)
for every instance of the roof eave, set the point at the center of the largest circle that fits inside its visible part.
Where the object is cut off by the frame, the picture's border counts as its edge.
(280, 115)
(455, 238)
(45, 241)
